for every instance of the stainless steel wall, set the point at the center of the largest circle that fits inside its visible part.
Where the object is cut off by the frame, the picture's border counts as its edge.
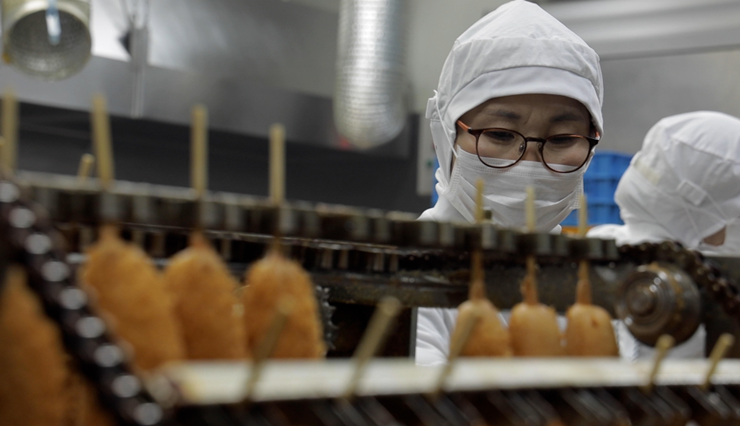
(659, 57)
(252, 63)
(640, 91)
(280, 43)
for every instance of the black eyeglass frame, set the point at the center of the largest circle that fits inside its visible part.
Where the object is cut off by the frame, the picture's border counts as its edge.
(592, 142)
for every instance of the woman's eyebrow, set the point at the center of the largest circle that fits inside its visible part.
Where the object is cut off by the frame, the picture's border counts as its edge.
(568, 116)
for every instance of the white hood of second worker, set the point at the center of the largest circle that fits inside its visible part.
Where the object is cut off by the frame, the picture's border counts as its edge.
(731, 247)
(684, 184)
(516, 49)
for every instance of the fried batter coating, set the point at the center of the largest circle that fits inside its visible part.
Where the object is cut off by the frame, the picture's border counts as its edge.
(268, 280)
(34, 375)
(131, 292)
(203, 291)
(589, 331)
(534, 326)
(489, 336)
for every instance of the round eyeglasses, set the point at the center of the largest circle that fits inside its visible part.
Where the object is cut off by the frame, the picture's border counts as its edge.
(502, 148)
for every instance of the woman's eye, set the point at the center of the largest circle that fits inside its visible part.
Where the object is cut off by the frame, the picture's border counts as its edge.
(564, 141)
(500, 136)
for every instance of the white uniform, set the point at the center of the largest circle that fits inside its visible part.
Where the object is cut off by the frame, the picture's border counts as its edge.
(683, 185)
(516, 49)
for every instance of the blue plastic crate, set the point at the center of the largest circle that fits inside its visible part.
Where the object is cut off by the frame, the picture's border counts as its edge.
(600, 183)
(571, 220)
(599, 213)
(608, 164)
(600, 188)
(435, 196)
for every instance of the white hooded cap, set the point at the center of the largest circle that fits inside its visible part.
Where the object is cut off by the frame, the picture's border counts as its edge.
(731, 246)
(684, 184)
(516, 49)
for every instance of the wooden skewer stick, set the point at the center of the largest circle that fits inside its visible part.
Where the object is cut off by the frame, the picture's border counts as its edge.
(477, 277)
(582, 216)
(373, 338)
(102, 141)
(2, 155)
(477, 289)
(277, 176)
(466, 328)
(724, 343)
(529, 210)
(529, 286)
(583, 288)
(665, 342)
(267, 345)
(199, 150)
(10, 132)
(531, 219)
(479, 214)
(83, 171)
(277, 164)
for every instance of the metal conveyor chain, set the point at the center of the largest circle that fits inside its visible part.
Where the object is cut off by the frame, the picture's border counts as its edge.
(29, 239)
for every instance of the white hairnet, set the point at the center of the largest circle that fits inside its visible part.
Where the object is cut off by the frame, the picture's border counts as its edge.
(684, 184)
(516, 49)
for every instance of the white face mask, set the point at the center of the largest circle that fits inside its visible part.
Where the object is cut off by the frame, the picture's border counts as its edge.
(556, 194)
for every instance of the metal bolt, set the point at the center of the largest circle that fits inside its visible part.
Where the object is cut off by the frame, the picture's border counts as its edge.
(378, 262)
(327, 258)
(147, 414)
(21, 217)
(72, 298)
(126, 386)
(9, 193)
(393, 267)
(38, 244)
(108, 355)
(343, 259)
(90, 327)
(54, 271)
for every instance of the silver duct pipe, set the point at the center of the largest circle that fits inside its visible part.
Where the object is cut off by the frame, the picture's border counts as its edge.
(47, 38)
(369, 108)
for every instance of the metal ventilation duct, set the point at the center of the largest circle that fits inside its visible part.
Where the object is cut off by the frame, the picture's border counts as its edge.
(369, 107)
(28, 42)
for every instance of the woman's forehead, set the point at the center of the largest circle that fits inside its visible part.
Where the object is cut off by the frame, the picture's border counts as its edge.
(513, 108)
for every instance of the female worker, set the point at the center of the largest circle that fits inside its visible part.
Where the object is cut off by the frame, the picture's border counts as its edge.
(518, 104)
(683, 185)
